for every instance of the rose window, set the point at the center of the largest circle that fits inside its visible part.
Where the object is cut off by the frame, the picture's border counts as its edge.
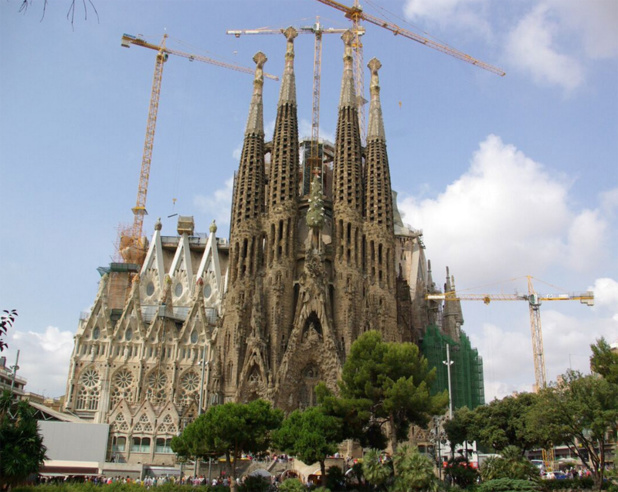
(123, 379)
(190, 381)
(90, 378)
(157, 380)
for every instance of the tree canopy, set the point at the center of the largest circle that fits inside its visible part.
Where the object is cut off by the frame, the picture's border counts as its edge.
(497, 425)
(578, 412)
(229, 430)
(391, 382)
(311, 435)
(604, 361)
(21, 446)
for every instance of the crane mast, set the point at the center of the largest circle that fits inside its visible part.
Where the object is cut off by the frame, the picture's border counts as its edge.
(142, 190)
(356, 14)
(132, 246)
(318, 31)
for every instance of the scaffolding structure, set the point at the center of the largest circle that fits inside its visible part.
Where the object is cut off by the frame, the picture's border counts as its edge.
(467, 380)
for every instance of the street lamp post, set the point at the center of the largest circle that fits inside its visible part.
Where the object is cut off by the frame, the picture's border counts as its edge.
(448, 362)
(14, 368)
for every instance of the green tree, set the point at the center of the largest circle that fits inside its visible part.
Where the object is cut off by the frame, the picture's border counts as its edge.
(499, 424)
(413, 471)
(377, 470)
(580, 412)
(604, 361)
(311, 435)
(459, 428)
(230, 430)
(21, 446)
(392, 382)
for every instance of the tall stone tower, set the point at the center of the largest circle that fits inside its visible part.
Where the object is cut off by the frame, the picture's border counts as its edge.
(309, 272)
(317, 254)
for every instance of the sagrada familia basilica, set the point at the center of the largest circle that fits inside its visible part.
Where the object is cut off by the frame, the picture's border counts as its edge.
(317, 254)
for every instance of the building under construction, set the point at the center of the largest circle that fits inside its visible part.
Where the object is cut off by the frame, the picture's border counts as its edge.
(317, 255)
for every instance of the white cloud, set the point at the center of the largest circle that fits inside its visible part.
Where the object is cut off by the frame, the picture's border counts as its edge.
(606, 295)
(44, 359)
(217, 205)
(505, 206)
(595, 21)
(464, 14)
(507, 360)
(506, 347)
(532, 48)
(587, 240)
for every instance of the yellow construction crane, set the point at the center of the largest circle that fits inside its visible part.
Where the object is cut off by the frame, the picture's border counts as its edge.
(132, 246)
(318, 30)
(356, 15)
(534, 304)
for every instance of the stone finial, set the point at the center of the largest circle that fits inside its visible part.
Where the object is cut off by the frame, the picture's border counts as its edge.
(158, 226)
(213, 227)
(259, 58)
(290, 34)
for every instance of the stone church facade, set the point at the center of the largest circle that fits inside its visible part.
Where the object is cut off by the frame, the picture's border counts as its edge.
(317, 255)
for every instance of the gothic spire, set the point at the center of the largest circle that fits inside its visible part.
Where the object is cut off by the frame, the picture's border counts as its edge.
(248, 201)
(283, 172)
(255, 121)
(378, 201)
(348, 179)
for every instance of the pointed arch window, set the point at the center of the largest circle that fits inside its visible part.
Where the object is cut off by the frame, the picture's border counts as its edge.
(157, 385)
(122, 387)
(89, 391)
(189, 388)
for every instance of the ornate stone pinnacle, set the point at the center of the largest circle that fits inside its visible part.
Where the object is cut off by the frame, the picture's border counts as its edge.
(347, 37)
(259, 58)
(290, 33)
(374, 65)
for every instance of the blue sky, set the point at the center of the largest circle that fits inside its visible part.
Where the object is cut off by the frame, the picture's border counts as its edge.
(506, 176)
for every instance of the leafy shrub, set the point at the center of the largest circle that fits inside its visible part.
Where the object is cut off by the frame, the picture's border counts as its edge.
(292, 485)
(255, 484)
(507, 485)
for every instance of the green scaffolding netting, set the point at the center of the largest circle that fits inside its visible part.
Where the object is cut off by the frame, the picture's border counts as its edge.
(467, 381)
